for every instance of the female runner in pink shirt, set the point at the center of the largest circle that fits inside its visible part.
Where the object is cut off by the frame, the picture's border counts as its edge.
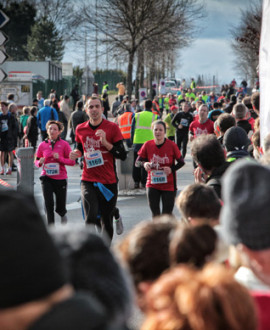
(52, 155)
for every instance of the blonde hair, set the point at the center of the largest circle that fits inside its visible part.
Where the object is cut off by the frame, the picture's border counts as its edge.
(26, 110)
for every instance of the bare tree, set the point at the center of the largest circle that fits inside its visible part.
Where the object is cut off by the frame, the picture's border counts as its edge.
(131, 23)
(60, 13)
(246, 40)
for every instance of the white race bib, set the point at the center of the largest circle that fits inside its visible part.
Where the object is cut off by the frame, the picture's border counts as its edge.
(184, 122)
(158, 177)
(4, 126)
(93, 159)
(52, 168)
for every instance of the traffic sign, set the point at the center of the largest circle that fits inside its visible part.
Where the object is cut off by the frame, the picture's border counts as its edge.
(3, 56)
(3, 75)
(3, 19)
(3, 38)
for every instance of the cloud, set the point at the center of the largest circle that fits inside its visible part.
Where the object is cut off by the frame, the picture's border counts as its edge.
(208, 57)
(221, 16)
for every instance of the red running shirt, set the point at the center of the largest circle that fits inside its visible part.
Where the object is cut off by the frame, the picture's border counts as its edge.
(164, 157)
(85, 135)
(196, 128)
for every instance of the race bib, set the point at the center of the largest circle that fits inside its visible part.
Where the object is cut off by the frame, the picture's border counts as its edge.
(158, 177)
(4, 125)
(184, 122)
(52, 168)
(93, 159)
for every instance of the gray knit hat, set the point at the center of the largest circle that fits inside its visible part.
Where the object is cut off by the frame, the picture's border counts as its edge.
(245, 216)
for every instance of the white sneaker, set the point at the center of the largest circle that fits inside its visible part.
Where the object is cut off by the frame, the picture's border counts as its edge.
(119, 225)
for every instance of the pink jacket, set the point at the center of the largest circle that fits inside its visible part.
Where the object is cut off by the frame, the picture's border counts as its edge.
(52, 167)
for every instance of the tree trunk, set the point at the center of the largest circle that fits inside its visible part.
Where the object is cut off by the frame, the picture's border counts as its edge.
(129, 73)
(137, 81)
(139, 72)
(142, 69)
(152, 75)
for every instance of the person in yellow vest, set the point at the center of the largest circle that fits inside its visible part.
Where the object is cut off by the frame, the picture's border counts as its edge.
(204, 96)
(190, 94)
(105, 87)
(192, 84)
(124, 122)
(181, 98)
(141, 132)
(166, 103)
(161, 103)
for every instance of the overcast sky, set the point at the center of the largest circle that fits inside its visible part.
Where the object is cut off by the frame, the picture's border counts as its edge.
(211, 54)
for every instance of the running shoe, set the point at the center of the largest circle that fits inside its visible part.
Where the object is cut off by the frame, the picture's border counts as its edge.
(119, 225)
(9, 171)
(64, 220)
(2, 172)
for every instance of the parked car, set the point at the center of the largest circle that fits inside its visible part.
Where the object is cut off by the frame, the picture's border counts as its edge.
(170, 87)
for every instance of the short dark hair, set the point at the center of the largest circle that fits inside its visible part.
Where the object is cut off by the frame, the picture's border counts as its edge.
(207, 151)
(247, 102)
(56, 122)
(198, 200)
(10, 96)
(192, 245)
(225, 121)
(66, 97)
(94, 98)
(79, 104)
(148, 104)
(233, 98)
(33, 110)
(255, 100)
(145, 249)
(159, 122)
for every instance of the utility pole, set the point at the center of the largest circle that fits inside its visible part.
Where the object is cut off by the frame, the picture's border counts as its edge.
(85, 63)
(96, 41)
(107, 55)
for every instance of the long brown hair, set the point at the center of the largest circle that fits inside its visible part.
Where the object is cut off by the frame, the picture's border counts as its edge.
(211, 299)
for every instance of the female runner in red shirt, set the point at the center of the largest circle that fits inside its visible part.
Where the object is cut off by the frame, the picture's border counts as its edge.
(161, 158)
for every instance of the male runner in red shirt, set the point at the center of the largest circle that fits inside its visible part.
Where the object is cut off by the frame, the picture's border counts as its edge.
(100, 141)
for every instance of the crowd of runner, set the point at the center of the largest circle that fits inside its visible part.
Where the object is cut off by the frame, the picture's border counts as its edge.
(208, 270)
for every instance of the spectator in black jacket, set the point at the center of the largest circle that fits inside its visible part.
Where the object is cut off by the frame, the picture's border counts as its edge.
(32, 128)
(8, 135)
(105, 104)
(232, 102)
(77, 117)
(181, 122)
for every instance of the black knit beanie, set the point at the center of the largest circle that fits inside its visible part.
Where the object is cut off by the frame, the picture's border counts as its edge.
(236, 138)
(30, 265)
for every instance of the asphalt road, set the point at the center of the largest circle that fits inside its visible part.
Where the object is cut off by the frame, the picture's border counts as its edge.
(132, 203)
